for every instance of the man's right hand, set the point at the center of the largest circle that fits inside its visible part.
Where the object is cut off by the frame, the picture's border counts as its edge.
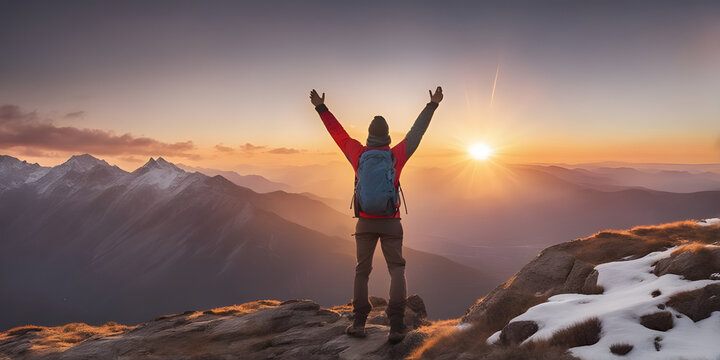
(437, 96)
(315, 99)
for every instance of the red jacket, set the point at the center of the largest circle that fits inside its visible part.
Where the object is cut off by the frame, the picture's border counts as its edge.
(401, 152)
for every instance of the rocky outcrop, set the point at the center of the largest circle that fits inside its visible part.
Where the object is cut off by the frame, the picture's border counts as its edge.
(691, 262)
(295, 329)
(517, 331)
(568, 267)
(553, 272)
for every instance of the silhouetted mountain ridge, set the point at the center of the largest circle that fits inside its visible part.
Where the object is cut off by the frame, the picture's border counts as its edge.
(95, 243)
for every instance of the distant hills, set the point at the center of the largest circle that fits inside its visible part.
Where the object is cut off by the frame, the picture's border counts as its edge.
(87, 241)
(497, 217)
(255, 182)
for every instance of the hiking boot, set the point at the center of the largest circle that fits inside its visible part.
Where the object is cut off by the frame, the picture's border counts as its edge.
(397, 331)
(357, 328)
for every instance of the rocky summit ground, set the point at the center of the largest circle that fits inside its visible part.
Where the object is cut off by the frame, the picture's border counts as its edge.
(265, 329)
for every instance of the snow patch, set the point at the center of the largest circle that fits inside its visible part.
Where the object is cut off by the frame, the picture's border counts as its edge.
(628, 287)
(463, 326)
(36, 175)
(162, 178)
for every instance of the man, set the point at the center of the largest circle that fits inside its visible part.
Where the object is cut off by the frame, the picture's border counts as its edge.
(372, 163)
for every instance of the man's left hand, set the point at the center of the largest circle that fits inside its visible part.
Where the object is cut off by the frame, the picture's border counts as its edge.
(437, 96)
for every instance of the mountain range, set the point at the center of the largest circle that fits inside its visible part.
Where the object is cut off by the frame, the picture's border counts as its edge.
(87, 241)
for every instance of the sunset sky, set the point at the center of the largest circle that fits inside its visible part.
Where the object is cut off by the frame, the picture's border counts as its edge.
(225, 83)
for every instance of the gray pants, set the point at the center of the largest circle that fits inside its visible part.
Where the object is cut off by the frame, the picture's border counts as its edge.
(391, 236)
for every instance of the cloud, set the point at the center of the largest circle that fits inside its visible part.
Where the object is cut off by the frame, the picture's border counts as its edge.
(223, 148)
(25, 129)
(250, 147)
(283, 150)
(75, 115)
(28, 151)
(247, 148)
(10, 113)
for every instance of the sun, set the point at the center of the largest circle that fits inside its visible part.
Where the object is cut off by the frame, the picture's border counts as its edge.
(480, 151)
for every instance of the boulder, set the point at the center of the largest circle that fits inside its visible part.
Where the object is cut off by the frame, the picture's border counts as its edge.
(578, 277)
(590, 286)
(415, 312)
(377, 302)
(550, 273)
(547, 271)
(417, 305)
(693, 262)
(517, 331)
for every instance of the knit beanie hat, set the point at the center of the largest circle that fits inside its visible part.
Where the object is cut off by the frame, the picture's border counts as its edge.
(378, 127)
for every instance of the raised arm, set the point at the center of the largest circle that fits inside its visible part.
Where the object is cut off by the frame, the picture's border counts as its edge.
(349, 146)
(422, 122)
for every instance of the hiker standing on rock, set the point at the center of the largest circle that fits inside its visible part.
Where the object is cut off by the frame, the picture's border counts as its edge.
(377, 206)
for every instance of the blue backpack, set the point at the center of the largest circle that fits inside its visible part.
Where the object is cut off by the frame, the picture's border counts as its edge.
(375, 191)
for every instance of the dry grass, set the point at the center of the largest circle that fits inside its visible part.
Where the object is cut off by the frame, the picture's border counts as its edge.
(620, 349)
(612, 245)
(680, 231)
(21, 330)
(447, 340)
(505, 306)
(61, 338)
(241, 309)
(694, 247)
(660, 321)
(697, 304)
(581, 334)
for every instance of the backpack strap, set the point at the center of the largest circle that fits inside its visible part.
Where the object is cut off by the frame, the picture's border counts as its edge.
(403, 197)
(354, 200)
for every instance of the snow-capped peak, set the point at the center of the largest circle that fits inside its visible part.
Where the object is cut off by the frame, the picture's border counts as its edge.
(159, 172)
(14, 172)
(83, 162)
(10, 162)
(160, 163)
